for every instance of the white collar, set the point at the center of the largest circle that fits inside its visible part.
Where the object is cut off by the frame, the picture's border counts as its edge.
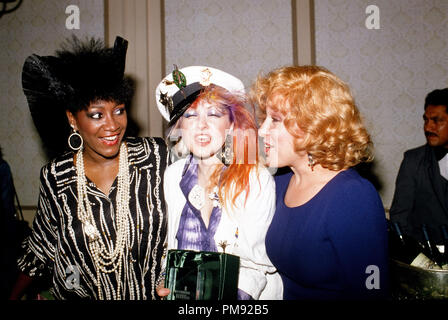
(443, 166)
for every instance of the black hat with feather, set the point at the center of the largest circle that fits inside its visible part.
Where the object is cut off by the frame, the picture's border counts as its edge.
(79, 74)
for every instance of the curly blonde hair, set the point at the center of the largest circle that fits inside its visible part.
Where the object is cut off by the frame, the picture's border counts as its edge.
(316, 102)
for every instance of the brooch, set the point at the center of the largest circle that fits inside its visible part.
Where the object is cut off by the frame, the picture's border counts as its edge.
(166, 100)
(196, 197)
(223, 245)
(91, 232)
(214, 197)
(205, 77)
(179, 78)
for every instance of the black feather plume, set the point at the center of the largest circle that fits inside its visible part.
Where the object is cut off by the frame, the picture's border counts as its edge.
(81, 72)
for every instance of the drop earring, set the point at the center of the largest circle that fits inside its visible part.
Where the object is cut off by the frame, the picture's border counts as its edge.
(226, 154)
(311, 162)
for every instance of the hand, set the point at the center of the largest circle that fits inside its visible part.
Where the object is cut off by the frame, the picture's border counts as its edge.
(162, 292)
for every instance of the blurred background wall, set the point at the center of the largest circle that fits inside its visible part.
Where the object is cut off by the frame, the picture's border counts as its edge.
(35, 27)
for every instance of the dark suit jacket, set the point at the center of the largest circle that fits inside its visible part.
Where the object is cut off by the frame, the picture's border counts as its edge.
(420, 194)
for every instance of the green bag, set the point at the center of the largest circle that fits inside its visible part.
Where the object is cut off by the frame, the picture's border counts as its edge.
(193, 275)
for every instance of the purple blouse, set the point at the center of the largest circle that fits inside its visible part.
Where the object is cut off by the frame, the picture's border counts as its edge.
(192, 233)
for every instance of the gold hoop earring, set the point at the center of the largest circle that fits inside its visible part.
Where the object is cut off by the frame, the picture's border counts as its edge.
(75, 141)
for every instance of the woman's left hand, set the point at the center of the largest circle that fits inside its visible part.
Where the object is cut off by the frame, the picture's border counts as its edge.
(162, 292)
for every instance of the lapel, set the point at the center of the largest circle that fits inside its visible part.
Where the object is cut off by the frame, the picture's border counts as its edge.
(434, 177)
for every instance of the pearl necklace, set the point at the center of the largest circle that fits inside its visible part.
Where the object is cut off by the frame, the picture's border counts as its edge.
(107, 261)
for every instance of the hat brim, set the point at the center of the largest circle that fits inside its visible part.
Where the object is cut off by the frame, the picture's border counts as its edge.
(197, 77)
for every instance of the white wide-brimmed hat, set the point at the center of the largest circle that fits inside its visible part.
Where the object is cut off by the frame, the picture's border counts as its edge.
(179, 89)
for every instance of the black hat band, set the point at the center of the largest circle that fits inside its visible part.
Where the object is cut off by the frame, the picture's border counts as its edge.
(182, 100)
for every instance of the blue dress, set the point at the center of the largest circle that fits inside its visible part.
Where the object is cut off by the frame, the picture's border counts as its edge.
(335, 245)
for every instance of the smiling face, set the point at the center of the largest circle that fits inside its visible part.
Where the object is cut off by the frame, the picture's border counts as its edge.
(102, 126)
(436, 126)
(278, 142)
(204, 128)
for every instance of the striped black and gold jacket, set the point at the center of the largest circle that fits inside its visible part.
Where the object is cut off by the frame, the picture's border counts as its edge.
(58, 248)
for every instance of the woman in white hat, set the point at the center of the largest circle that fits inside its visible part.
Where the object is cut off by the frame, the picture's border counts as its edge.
(218, 196)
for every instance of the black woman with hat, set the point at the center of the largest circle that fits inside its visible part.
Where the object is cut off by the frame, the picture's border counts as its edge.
(100, 227)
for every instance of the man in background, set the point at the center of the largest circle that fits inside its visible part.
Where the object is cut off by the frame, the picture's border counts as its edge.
(421, 190)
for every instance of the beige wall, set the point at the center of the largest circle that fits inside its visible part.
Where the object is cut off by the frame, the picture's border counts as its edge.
(242, 37)
(390, 70)
(38, 26)
(140, 22)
